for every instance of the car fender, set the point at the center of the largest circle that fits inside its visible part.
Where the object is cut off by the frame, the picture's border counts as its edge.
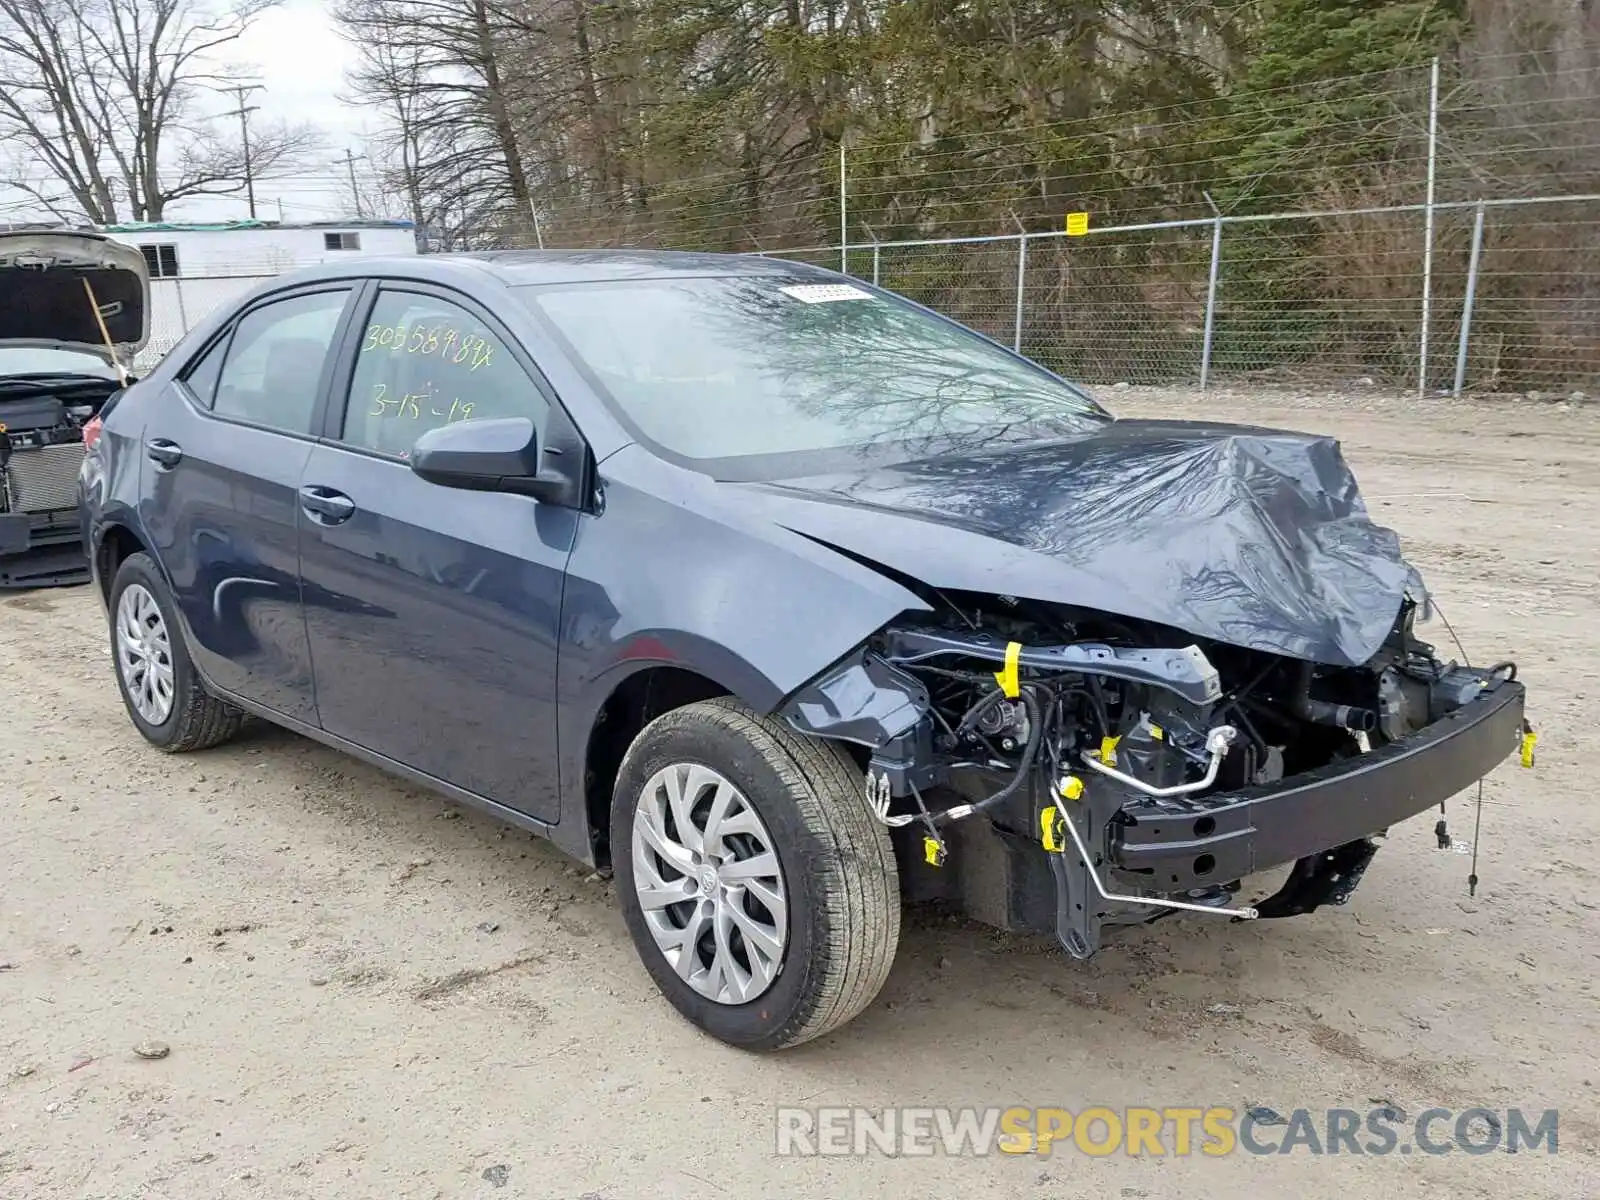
(696, 583)
(113, 499)
(115, 504)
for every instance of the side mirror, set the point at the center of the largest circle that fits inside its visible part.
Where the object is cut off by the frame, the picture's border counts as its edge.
(499, 455)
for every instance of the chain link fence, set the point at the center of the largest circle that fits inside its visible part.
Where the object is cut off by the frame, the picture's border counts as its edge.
(1508, 299)
(1321, 233)
(1535, 315)
(1434, 228)
(178, 305)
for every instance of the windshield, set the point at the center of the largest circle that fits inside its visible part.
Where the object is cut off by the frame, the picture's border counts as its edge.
(730, 372)
(24, 360)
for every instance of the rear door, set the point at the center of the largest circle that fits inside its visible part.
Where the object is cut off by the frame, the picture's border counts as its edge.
(433, 612)
(224, 450)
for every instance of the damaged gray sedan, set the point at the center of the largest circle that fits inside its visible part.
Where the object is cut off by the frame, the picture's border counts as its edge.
(782, 598)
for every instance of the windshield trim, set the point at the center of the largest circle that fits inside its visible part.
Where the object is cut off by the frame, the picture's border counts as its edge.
(756, 468)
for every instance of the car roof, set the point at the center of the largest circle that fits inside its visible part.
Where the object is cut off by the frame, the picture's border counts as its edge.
(521, 268)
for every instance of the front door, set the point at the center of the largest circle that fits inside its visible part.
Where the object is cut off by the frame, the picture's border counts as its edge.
(225, 451)
(433, 612)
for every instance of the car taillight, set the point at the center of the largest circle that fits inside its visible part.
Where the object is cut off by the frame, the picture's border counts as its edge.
(91, 432)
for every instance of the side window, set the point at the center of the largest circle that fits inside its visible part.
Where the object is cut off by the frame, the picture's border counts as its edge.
(201, 377)
(425, 362)
(275, 361)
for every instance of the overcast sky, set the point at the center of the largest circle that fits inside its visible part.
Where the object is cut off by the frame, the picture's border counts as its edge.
(298, 58)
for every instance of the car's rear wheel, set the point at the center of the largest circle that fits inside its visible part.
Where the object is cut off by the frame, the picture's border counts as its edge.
(159, 685)
(759, 889)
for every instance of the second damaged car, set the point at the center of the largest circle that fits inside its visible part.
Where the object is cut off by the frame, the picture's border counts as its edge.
(74, 309)
(781, 598)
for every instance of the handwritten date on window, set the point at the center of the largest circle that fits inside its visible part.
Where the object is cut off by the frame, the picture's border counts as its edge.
(450, 345)
(412, 405)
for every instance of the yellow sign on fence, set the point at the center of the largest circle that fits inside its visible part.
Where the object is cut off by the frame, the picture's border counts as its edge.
(1077, 224)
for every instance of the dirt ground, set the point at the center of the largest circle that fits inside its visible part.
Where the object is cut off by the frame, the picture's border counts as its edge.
(369, 994)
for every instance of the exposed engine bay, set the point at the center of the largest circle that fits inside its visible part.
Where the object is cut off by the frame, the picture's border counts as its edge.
(42, 418)
(48, 410)
(1145, 764)
(74, 311)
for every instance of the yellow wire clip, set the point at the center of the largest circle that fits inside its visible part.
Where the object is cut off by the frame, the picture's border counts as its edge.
(1529, 739)
(1007, 679)
(933, 851)
(1047, 830)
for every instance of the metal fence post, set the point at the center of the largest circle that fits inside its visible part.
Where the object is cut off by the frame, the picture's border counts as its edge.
(183, 317)
(1468, 301)
(1211, 299)
(844, 224)
(1022, 281)
(1427, 245)
(875, 263)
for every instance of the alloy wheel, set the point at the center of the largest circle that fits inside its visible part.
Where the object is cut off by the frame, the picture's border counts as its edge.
(709, 883)
(144, 654)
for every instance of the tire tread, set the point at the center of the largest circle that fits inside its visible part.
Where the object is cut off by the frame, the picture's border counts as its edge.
(202, 720)
(862, 896)
(205, 722)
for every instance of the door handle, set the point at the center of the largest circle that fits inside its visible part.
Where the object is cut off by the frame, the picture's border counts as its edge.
(326, 506)
(163, 453)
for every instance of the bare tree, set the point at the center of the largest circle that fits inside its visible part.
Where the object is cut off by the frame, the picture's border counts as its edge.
(376, 180)
(97, 102)
(438, 69)
(1529, 97)
(407, 150)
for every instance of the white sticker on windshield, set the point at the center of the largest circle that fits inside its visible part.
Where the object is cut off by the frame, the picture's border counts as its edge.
(822, 293)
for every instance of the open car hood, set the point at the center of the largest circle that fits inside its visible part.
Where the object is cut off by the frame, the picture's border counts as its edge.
(43, 302)
(1253, 537)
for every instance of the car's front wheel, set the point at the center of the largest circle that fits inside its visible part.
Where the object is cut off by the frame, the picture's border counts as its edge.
(759, 889)
(159, 684)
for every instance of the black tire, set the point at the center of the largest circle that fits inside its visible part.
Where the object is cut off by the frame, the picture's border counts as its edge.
(197, 720)
(838, 870)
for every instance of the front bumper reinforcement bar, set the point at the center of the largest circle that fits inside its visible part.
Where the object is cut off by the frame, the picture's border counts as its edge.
(1179, 843)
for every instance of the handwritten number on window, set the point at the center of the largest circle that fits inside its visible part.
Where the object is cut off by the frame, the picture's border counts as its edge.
(409, 406)
(460, 349)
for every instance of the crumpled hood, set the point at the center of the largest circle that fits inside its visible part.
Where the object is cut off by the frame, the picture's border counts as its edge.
(1252, 537)
(43, 302)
